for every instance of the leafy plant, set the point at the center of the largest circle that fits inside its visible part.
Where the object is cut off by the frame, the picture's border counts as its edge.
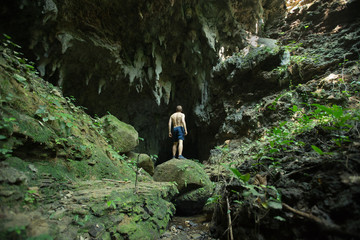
(81, 221)
(60, 141)
(112, 203)
(245, 178)
(27, 65)
(44, 114)
(18, 230)
(6, 125)
(30, 196)
(267, 196)
(213, 200)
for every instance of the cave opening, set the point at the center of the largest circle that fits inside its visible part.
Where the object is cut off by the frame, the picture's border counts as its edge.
(149, 119)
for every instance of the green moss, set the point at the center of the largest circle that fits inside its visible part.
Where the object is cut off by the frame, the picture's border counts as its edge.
(17, 163)
(30, 127)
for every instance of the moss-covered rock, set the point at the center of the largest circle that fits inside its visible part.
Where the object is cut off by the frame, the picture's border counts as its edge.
(192, 182)
(123, 137)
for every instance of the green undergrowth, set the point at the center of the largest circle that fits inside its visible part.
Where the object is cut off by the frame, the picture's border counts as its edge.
(316, 120)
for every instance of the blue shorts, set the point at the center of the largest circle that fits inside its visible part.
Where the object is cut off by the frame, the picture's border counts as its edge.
(178, 133)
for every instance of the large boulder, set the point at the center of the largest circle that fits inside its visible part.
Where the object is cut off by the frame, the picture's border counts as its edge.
(123, 137)
(193, 184)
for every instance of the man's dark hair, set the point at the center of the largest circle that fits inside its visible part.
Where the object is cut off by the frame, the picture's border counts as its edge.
(179, 108)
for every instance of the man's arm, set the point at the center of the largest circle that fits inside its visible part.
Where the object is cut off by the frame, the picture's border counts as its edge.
(184, 124)
(170, 135)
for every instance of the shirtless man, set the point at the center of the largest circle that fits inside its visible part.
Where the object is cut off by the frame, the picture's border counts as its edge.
(178, 132)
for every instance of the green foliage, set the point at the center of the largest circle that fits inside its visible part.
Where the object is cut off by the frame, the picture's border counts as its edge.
(334, 118)
(111, 204)
(19, 78)
(267, 196)
(213, 200)
(81, 221)
(280, 218)
(25, 64)
(61, 141)
(117, 156)
(6, 126)
(281, 69)
(318, 150)
(44, 114)
(66, 121)
(154, 157)
(18, 230)
(275, 102)
(30, 196)
(245, 178)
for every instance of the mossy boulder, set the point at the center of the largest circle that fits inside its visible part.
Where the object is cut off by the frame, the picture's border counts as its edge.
(123, 137)
(193, 184)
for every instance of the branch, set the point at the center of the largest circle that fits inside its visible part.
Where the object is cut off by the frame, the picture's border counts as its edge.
(229, 217)
(329, 226)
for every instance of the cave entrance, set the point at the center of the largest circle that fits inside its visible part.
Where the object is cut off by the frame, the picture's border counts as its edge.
(146, 116)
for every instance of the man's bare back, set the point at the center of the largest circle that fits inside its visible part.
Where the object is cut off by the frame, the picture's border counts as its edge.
(177, 119)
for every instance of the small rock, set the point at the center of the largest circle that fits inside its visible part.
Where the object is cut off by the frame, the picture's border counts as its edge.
(166, 234)
(33, 168)
(195, 236)
(174, 230)
(12, 175)
(91, 162)
(192, 224)
(6, 193)
(96, 230)
(181, 227)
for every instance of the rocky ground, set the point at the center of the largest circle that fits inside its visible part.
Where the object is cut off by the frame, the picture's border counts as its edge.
(93, 209)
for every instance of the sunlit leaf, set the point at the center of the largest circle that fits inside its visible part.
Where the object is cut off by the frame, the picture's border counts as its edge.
(244, 178)
(19, 78)
(280, 218)
(274, 204)
(318, 150)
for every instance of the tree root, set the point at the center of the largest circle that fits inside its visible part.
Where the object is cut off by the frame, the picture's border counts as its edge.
(113, 180)
(328, 226)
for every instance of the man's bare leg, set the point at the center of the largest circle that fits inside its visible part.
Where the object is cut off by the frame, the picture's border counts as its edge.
(174, 148)
(181, 146)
